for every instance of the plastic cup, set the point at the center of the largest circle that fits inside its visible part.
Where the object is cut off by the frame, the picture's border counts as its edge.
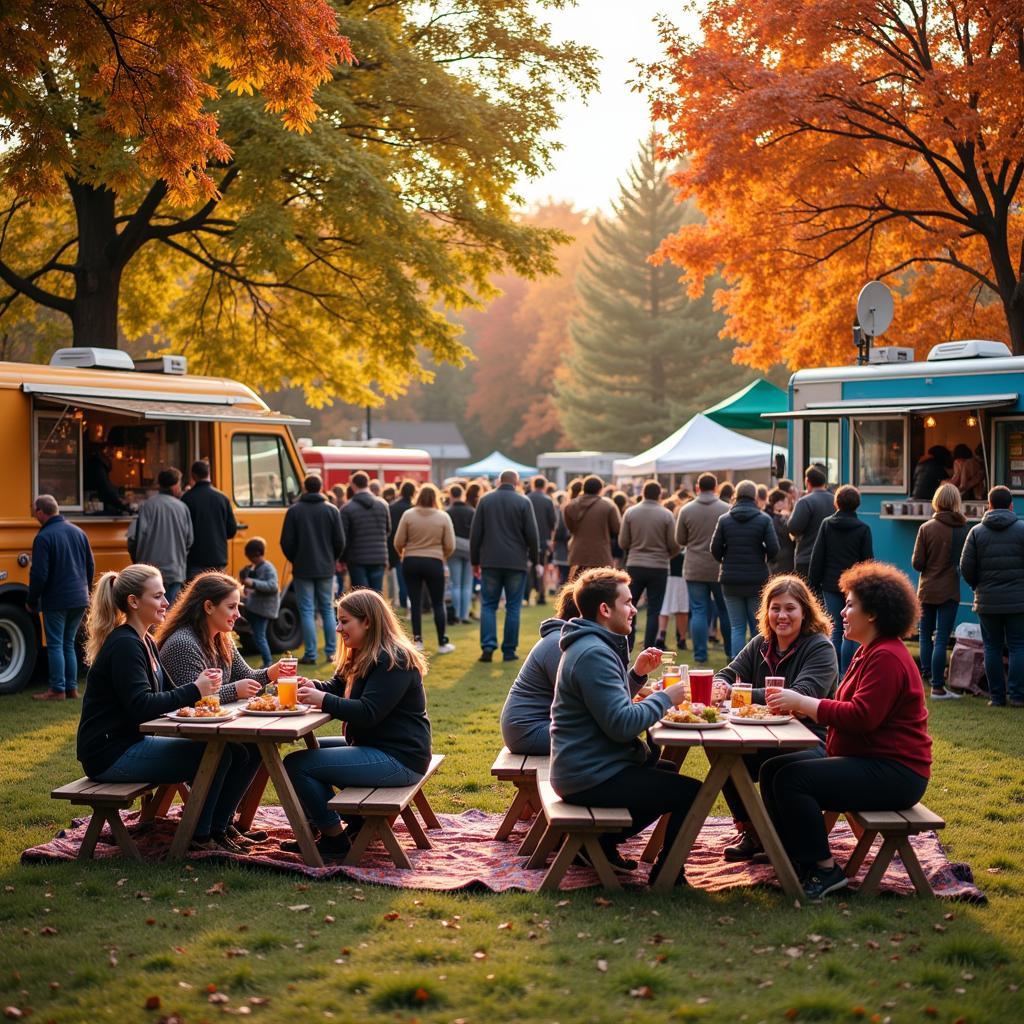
(287, 692)
(773, 684)
(289, 668)
(702, 682)
(742, 694)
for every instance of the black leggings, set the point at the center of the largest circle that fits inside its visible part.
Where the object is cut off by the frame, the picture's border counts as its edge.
(753, 763)
(797, 787)
(647, 792)
(429, 571)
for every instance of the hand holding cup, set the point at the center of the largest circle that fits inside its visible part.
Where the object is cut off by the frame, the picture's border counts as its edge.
(208, 681)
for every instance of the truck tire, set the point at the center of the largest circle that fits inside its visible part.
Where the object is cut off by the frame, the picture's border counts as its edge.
(19, 648)
(285, 632)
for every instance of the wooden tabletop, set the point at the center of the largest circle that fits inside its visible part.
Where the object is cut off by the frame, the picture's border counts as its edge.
(241, 729)
(793, 735)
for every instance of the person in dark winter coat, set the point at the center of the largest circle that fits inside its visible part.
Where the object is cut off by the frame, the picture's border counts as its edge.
(935, 467)
(460, 569)
(592, 521)
(936, 557)
(993, 566)
(397, 509)
(792, 642)
(213, 522)
(779, 508)
(744, 542)
(844, 539)
(312, 539)
(366, 522)
(807, 516)
(547, 518)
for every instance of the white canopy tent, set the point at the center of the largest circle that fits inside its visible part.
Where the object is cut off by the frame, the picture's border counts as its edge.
(698, 445)
(494, 465)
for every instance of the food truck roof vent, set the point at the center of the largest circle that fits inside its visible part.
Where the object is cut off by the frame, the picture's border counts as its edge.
(969, 350)
(98, 358)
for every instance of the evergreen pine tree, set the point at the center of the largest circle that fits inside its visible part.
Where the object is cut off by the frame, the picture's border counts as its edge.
(643, 357)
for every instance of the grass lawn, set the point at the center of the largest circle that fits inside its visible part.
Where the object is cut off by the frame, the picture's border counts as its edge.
(92, 942)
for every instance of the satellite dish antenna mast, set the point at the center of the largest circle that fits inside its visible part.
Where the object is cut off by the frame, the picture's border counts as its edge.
(875, 309)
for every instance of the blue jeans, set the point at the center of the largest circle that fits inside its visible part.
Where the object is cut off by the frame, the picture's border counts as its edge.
(702, 593)
(258, 624)
(172, 588)
(742, 613)
(997, 632)
(61, 627)
(492, 583)
(937, 619)
(403, 590)
(834, 604)
(461, 572)
(315, 773)
(170, 759)
(371, 576)
(315, 595)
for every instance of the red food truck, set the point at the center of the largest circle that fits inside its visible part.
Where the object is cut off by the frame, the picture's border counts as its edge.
(335, 464)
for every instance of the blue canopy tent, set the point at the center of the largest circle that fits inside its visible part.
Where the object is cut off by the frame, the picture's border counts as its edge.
(494, 465)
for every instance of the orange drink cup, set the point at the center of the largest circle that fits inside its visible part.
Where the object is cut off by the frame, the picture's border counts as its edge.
(701, 685)
(773, 684)
(287, 692)
(742, 695)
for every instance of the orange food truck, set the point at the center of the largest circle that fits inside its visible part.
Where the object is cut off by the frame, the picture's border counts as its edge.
(93, 419)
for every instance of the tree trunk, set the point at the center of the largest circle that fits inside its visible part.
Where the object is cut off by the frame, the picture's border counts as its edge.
(98, 270)
(1013, 306)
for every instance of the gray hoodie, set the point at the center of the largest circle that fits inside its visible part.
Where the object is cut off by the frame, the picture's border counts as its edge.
(595, 726)
(526, 716)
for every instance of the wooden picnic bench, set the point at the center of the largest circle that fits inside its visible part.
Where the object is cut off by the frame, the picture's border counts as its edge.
(895, 828)
(521, 770)
(569, 828)
(380, 807)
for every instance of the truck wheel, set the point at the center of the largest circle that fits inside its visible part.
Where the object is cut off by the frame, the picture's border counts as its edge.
(19, 648)
(285, 632)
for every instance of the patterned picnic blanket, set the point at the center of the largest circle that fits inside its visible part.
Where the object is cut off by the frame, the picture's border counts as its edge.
(465, 856)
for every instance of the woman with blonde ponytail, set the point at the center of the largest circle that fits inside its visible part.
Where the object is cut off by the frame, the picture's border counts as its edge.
(126, 686)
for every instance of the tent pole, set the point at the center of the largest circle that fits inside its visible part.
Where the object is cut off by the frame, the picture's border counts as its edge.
(771, 455)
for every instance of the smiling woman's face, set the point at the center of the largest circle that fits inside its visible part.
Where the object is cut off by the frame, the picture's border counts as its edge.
(151, 605)
(857, 624)
(785, 618)
(222, 617)
(351, 629)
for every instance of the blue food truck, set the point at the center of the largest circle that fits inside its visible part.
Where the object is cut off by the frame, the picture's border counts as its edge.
(871, 425)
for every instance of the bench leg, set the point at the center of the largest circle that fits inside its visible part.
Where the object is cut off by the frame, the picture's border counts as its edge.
(562, 862)
(600, 862)
(368, 831)
(547, 842)
(512, 815)
(529, 844)
(860, 851)
(426, 811)
(121, 836)
(92, 834)
(881, 862)
(394, 848)
(412, 823)
(913, 866)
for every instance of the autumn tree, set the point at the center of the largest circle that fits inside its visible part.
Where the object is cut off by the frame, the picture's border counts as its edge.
(643, 357)
(844, 140)
(224, 179)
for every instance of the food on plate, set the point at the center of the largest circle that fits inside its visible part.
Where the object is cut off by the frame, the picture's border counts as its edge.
(205, 707)
(756, 711)
(264, 702)
(693, 714)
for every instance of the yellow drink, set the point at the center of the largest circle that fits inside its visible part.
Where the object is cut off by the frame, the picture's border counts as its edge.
(287, 692)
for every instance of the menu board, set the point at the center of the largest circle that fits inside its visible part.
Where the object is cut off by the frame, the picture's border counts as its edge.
(1010, 454)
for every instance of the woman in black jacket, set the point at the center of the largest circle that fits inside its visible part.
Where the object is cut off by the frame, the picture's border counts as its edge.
(792, 642)
(126, 686)
(377, 691)
(844, 539)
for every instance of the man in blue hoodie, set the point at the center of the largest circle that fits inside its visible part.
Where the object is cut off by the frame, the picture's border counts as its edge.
(597, 756)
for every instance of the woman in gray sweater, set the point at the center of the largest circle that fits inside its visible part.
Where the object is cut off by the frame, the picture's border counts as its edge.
(526, 716)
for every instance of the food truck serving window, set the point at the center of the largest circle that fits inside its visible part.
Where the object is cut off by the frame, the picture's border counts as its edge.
(821, 445)
(879, 454)
(262, 472)
(58, 456)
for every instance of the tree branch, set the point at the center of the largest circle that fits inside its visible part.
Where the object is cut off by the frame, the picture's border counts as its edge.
(162, 232)
(25, 286)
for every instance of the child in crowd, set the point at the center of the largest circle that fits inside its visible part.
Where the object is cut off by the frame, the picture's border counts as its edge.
(262, 594)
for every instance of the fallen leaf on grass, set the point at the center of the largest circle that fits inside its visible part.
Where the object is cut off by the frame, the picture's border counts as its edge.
(939, 927)
(994, 871)
(217, 889)
(643, 992)
(217, 997)
(299, 907)
(505, 926)
(562, 903)
(13, 1013)
(453, 923)
(421, 995)
(258, 1000)
(600, 901)
(152, 1003)
(328, 919)
(602, 966)
(235, 951)
(479, 955)
(392, 915)
(48, 930)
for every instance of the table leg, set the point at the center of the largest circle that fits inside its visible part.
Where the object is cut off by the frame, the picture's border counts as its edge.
(196, 798)
(92, 833)
(311, 741)
(512, 815)
(751, 797)
(124, 840)
(694, 820)
(251, 801)
(290, 802)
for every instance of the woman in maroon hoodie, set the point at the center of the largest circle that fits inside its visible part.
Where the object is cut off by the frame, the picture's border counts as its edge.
(879, 751)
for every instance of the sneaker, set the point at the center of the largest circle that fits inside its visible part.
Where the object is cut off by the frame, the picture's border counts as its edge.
(680, 882)
(487, 655)
(224, 842)
(510, 657)
(334, 847)
(819, 882)
(292, 845)
(304, 660)
(997, 704)
(49, 695)
(257, 835)
(945, 694)
(680, 643)
(418, 644)
(71, 694)
(748, 847)
(446, 648)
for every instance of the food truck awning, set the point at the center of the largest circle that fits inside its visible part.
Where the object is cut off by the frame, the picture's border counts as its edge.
(195, 408)
(745, 409)
(890, 406)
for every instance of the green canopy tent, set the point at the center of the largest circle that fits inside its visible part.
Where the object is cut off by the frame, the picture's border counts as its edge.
(743, 410)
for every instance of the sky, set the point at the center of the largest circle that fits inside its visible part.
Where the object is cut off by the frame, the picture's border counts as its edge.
(601, 135)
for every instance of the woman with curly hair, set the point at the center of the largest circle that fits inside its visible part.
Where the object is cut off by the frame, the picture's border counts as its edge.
(879, 751)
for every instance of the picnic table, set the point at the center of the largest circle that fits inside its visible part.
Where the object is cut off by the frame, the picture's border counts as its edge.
(725, 748)
(267, 733)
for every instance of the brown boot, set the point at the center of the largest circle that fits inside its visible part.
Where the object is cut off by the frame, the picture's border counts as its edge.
(49, 695)
(748, 847)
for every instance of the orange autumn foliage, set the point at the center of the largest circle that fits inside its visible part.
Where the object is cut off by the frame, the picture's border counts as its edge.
(843, 140)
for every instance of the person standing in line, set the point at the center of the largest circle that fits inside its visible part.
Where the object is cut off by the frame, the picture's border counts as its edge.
(213, 523)
(366, 523)
(58, 586)
(648, 542)
(676, 602)
(262, 595)
(560, 541)
(502, 542)
(778, 508)
(744, 542)
(992, 563)
(937, 551)
(162, 534)
(398, 508)
(844, 539)
(808, 514)
(547, 520)
(312, 539)
(425, 539)
(592, 521)
(460, 568)
(695, 526)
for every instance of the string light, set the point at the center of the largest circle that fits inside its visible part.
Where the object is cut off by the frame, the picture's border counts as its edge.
(972, 421)
(929, 421)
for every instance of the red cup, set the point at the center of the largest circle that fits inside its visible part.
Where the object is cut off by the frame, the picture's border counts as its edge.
(701, 683)
(773, 684)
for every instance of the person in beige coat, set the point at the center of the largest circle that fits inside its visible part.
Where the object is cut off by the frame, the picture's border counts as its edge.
(592, 521)
(424, 540)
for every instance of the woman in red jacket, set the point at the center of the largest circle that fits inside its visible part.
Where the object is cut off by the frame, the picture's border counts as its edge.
(879, 751)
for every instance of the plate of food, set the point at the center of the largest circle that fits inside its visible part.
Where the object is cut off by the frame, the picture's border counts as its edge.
(757, 714)
(693, 716)
(267, 704)
(206, 709)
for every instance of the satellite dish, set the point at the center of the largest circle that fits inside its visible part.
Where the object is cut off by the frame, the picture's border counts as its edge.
(874, 308)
